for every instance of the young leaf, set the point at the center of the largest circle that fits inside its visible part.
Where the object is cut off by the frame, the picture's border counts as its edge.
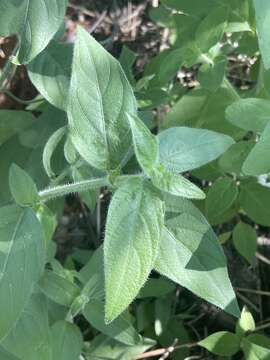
(182, 148)
(49, 149)
(129, 256)
(211, 76)
(35, 22)
(22, 259)
(120, 329)
(254, 352)
(249, 114)
(30, 339)
(175, 184)
(145, 145)
(245, 241)
(98, 121)
(22, 187)
(67, 341)
(246, 322)
(257, 162)
(50, 72)
(262, 10)
(223, 343)
(220, 198)
(190, 255)
(255, 201)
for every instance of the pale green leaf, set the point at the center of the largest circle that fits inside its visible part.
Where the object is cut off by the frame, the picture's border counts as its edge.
(22, 186)
(246, 322)
(257, 162)
(120, 329)
(99, 99)
(223, 343)
(262, 10)
(182, 148)
(191, 256)
(211, 76)
(245, 241)
(50, 72)
(50, 148)
(249, 114)
(254, 352)
(35, 23)
(30, 338)
(67, 341)
(145, 145)
(130, 256)
(58, 289)
(175, 184)
(22, 259)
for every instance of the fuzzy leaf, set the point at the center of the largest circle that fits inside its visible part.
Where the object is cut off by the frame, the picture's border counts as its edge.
(22, 260)
(99, 98)
(130, 256)
(35, 22)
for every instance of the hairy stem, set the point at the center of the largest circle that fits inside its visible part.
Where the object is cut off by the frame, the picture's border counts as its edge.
(80, 186)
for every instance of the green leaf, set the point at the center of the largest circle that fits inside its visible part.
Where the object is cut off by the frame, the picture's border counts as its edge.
(35, 23)
(50, 148)
(130, 256)
(22, 260)
(246, 322)
(120, 329)
(50, 72)
(249, 114)
(223, 343)
(211, 28)
(156, 288)
(175, 184)
(22, 187)
(13, 122)
(58, 289)
(127, 59)
(98, 123)
(254, 352)
(182, 148)
(257, 162)
(190, 255)
(211, 76)
(6, 355)
(220, 197)
(245, 241)
(262, 10)
(30, 338)
(67, 341)
(145, 145)
(232, 160)
(255, 201)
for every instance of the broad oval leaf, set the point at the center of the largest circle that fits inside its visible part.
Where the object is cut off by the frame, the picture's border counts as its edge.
(50, 72)
(249, 114)
(22, 258)
(120, 329)
(67, 341)
(182, 148)
(255, 201)
(223, 343)
(99, 99)
(129, 256)
(253, 351)
(31, 339)
(220, 197)
(245, 241)
(35, 22)
(191, 256)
